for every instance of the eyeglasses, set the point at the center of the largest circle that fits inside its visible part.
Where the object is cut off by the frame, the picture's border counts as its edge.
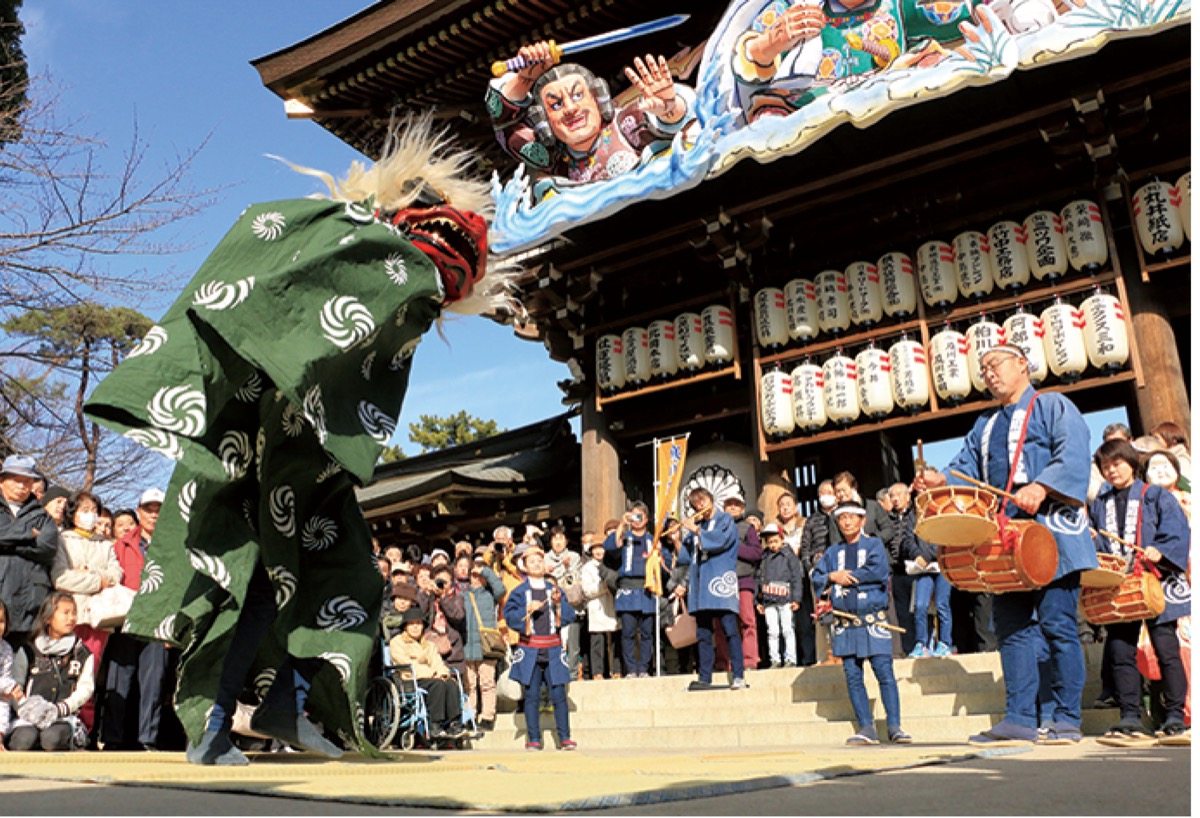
(995, 365)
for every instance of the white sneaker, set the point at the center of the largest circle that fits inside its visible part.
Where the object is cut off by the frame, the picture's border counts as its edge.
(739, 684)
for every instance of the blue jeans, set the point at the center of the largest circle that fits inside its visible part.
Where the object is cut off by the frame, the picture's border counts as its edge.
(533, 703)
(633, 626)
(1023, 620)
(938, 587)
(852, 666)
(705, 652)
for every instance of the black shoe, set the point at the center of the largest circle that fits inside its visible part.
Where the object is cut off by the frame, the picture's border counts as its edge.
(455, 730)
(1104, 703)
(487, 725)
(698, 685)
(147, 747)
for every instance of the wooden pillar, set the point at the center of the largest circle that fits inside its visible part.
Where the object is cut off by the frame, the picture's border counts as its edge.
(603, 493)
(774, 480)
(1164, 396)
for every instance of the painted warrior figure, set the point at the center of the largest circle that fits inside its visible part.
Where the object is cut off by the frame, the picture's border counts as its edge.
(274, 381)
(560, 120)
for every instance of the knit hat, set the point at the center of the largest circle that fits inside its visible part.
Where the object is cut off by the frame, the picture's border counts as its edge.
(53, 493)
(412, 615)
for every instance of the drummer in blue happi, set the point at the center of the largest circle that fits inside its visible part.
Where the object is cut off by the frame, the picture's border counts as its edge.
(855, 576)
(1034, 445)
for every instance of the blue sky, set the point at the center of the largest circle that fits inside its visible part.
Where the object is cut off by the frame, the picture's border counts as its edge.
(179, 74)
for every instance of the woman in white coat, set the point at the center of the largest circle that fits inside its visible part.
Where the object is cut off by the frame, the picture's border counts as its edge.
(602, 620)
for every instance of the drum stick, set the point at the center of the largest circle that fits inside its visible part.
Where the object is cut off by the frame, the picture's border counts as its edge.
(919, 464)
(983, 485)
(1121, 540)
(856, 621)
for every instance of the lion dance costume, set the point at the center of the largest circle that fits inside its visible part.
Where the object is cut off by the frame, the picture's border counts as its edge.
(274, 381)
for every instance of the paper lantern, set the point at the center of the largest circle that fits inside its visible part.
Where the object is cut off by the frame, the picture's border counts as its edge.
(897, 285)
(1185, 203)
(775, 404)
(1104, 332)
(1028, 332)
(800, 295)
(1006, 252)
(770, 317)
(1066, 351)
(972, 267)
(841, 389)
(718, 334)
(1045, 247)
(874, 369)
(866, 304)
(610, 363)
(1087, 245)
(808, 396)
(689, 339)
(910, 375)
(981, 336)
(935, 271)
(948, 362)
(1156, 213)
(664, 351)
(833, 302)
(636, 344)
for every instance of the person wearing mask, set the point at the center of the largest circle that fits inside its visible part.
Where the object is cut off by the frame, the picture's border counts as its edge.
(28, 544)
(136, 669)
(812, 639)
(84, 566)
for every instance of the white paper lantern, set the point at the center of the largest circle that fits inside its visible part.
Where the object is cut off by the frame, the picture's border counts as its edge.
(808, 396)
(1185, 203)
(775, 404)
(910, 375)
(636, 343)
(1027, 331)
(897, 285)
(1087, 244)
(874, 370)
(718, 334)
(948, 362)
(689, 339)
(935, 271)
(841, 389)
(610, 363)
(833, 302)
(1066, 351)
(664, 351)
(972, 267)
(1156, 213)
(1105, 332)
(770, 317)
(800, 295)
(1006, 252)
(981, 336)
(1045, 247)
(866, 304)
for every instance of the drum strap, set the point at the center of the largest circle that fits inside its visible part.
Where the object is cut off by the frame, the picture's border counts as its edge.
(1143, 563)
(1008, 536)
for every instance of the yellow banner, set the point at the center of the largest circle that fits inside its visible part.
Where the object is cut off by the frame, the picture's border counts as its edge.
(669, 457)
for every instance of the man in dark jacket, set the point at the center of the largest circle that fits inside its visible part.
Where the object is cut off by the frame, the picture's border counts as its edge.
(28, 543)
(749, 553)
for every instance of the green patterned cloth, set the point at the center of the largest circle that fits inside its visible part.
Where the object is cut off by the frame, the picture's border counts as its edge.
(274, 382)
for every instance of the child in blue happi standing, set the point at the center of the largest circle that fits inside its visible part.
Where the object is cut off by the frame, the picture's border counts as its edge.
(855, 574)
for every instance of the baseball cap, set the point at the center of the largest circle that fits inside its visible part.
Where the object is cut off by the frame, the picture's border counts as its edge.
(152, 496)
(770, 528)
(21, 465)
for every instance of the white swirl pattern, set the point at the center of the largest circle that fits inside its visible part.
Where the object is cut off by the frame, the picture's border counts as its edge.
(187, 496)
(405, 352)
(251, 390)
(1176, 590)
(367, 363)
(345, 320)
(156, 440)
(1066, 520)
(285, 585)
(375, 422)
(263, 681)
(314, 412)
(331, 469)
(210, 566)
(235, 453)
(319, 533)
(341, 663)
(178, 409)
(268, 226)
(724, 585)
(165, 632)
(282, 502)
(152, 577)
(340, 613)
(151, 343)
(216, 295)
(396, 269)
(292, 420)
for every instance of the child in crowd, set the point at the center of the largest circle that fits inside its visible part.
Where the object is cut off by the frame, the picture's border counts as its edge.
(779, 585)
(413, 652)
(54, 672)
(537, 609)
(855, 574)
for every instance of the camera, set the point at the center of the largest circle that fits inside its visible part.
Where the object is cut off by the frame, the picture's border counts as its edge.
(441, 584)
(637, 517)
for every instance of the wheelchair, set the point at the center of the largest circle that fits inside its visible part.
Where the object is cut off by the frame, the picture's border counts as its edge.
(396, 715)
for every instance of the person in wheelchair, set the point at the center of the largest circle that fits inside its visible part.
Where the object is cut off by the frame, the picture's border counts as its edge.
(414, 655)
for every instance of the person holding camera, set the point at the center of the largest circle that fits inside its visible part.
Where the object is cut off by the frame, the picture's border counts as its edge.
(564, 567)
(633, 603)
(446, 615)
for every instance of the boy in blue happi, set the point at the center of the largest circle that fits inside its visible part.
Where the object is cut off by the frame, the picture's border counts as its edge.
(1034, 446)
(537, 609)
(634, 605)
(1153, 520)
(712, 538)
(855, 574)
